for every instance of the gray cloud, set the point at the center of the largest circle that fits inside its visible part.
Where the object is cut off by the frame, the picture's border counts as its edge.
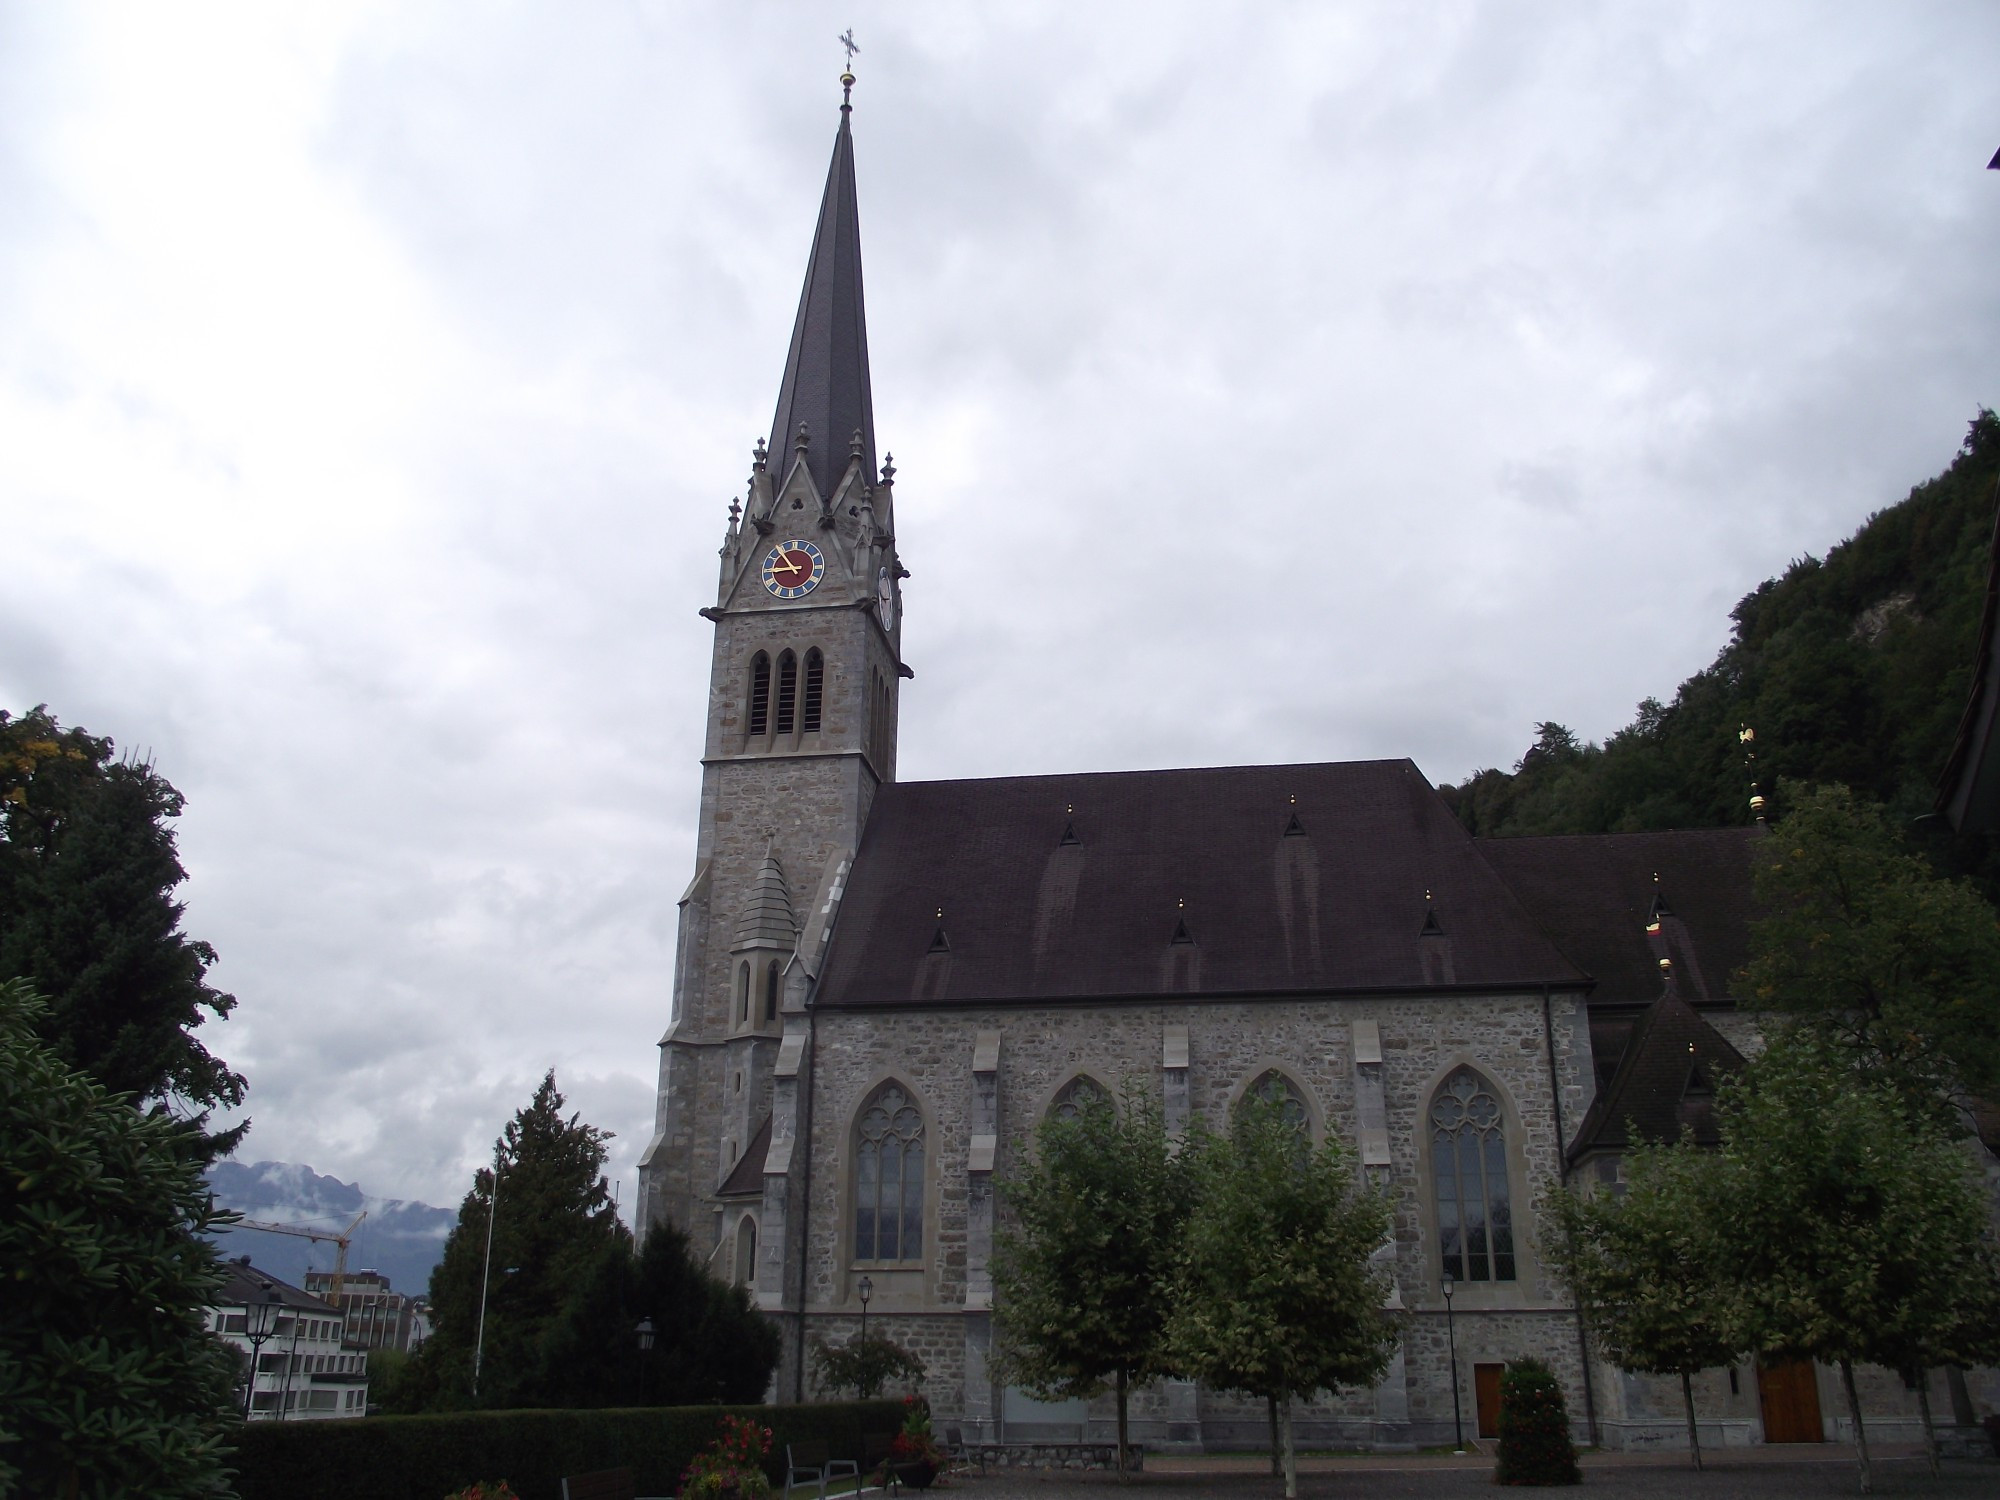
(1291, 383)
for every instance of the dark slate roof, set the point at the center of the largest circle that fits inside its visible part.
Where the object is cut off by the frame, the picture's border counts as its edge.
(1664, 1084)
(826, 370)
(245, 1281)
(747, 1176)
(1030, 914)
(1593, 894)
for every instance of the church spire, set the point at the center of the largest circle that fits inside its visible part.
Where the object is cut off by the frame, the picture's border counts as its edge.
(826, 370)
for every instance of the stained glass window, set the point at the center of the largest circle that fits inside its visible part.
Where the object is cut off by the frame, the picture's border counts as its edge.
(1475, 1216)
(1080, 1093)
(889, 1179)
(1275, 1088)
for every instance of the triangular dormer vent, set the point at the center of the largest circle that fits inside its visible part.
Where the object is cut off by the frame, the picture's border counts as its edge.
(1181, 934)
(1432, 927)
(1069, 836)
(1295, 829)
(939, 942)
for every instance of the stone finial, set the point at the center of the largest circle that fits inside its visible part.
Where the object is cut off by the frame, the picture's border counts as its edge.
(888, 468)
(856, 443)
(802, 441)
(759, 456)
(735, 512)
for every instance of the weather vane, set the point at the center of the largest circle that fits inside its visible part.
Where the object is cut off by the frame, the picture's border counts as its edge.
(847, 41)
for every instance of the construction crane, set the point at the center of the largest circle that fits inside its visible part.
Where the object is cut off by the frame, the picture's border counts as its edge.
(338, 1238)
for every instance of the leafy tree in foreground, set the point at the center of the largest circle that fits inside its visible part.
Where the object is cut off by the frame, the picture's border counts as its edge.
(1647, 1271)
(1277, 1294)
(110, 1384)
(1869, 948)
(554, 1229)
(1535, 1446)
(1855, 1229)
(1083, 1276)
(88, 872)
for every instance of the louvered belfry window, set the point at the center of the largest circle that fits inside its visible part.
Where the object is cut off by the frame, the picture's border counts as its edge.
(1475, 1215)
(788, 690)
(815, 686)
(889, 1179)
(760, 694)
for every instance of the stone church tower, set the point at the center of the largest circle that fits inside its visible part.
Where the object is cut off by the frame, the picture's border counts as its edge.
(801, 732)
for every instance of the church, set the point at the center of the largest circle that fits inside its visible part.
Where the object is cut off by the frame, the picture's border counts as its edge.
(882, 987)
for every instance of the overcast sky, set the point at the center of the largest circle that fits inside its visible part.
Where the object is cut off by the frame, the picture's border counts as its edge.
(1266, 383)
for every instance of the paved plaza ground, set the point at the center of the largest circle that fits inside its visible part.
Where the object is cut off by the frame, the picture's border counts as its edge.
(1736, 1474)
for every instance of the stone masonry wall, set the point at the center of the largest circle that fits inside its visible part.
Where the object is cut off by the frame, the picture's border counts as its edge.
(1230, 1045)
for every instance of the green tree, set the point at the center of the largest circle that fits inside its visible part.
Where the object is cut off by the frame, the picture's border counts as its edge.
(88, 871)
(1278, 1294)
(553, 1230)
(862, 1367)
(110, 1384)
(1866, 946)
(1852, 668)
(1853, 1224)
(1083, 1274)
(1646, 1268)
(710, 1343)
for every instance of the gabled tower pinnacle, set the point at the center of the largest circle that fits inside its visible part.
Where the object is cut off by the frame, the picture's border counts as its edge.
(826, 371)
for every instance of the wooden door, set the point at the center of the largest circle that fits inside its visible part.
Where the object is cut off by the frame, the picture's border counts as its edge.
(1486, 1396)
(1788, 1395)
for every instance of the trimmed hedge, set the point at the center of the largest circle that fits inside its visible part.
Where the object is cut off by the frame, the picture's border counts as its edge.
(427, 1457)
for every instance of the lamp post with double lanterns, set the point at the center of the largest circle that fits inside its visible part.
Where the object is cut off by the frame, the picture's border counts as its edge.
(1451, 1337)
(260, 1321)
(867, 1289)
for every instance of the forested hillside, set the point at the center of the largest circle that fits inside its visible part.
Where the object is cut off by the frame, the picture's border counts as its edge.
(1851, 668)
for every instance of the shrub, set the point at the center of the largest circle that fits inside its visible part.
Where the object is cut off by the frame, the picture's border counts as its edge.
(423, 1457)
(863, 1366)
(1535, 1447)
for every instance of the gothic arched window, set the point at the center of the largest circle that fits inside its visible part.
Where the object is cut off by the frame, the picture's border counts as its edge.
(742, 993)
(771, 992)
(815, 689)
(1475, 1214)
(889, 1179)
(1079, 1094)
(1274, 1088)
(746, 1251)
(760, 694)
(788, 690)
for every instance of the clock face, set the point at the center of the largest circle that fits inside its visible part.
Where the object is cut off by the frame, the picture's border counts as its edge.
(793, 569)
(885, 599)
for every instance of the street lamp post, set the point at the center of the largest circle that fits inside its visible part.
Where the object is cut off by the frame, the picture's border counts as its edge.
(1451, 1335)
(485, 1276)
(644, 1333)
(867, 1289)
(260, 1321)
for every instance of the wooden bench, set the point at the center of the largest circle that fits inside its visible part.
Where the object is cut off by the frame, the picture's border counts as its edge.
(605, 1484)
(812, 1463)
